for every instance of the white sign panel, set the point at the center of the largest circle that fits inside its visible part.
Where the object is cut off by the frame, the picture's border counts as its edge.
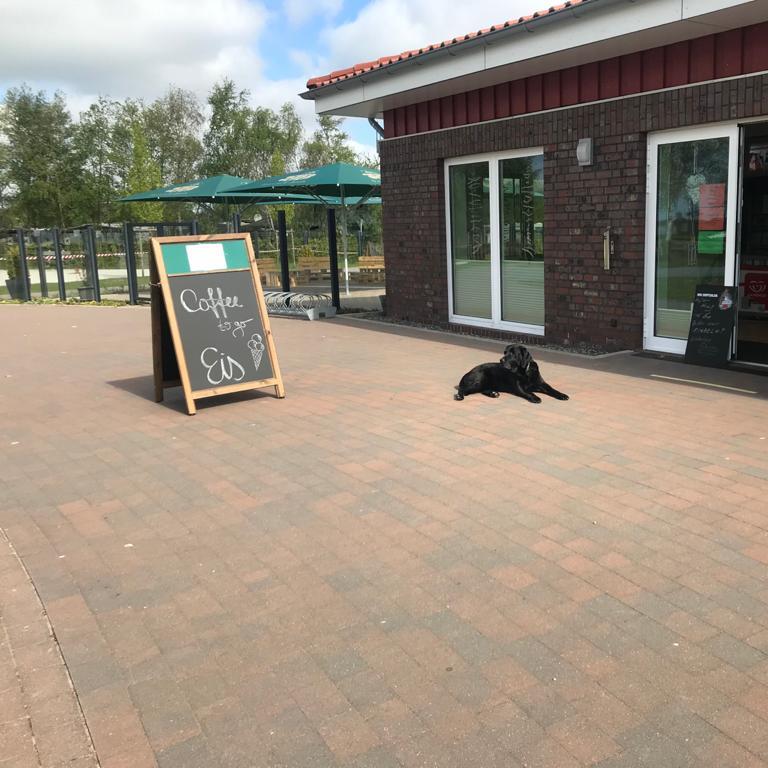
(204, 257)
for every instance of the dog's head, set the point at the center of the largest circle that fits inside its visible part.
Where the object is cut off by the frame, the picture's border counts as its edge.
(518, 359)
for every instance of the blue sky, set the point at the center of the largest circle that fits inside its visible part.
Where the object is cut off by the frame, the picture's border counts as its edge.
(137, 48)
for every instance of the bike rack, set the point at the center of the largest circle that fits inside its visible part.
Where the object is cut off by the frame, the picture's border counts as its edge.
(313, 306)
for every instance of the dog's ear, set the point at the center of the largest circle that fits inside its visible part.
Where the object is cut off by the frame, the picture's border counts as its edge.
(509, 362)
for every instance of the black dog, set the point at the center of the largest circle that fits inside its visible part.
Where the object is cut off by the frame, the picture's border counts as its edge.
(516, 373)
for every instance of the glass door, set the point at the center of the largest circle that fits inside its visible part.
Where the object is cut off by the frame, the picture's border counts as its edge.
(752, 251)
(690, 226)
(470, 242)
(495, 237)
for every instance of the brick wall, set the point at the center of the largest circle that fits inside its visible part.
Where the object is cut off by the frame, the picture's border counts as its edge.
(583, 302)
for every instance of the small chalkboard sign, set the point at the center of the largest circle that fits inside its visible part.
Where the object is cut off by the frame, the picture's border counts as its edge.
(712, 321)
(211, 306)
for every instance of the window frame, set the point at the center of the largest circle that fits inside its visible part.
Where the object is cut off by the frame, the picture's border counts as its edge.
(493, 159)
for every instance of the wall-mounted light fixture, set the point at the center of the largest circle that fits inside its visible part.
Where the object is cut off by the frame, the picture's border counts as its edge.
(584, 152)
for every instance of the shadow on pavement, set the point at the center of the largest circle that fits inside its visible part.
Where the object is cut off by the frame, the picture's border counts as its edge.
(144, 387)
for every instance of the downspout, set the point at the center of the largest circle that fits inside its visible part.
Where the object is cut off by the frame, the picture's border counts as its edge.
(376, 127)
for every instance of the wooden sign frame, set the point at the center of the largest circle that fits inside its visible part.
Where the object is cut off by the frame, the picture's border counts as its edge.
(164, 312)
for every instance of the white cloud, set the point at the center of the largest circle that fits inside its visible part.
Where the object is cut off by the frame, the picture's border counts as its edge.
(301, 11)
(137, 48)
(128, 47)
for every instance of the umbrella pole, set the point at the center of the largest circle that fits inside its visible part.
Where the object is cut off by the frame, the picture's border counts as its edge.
(344, 240)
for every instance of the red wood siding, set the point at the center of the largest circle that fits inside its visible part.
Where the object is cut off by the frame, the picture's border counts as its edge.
(726, 54)
(422, 117)
(501, 100)
(434, 115)
(755, 48)
(533, 100)
(676, 64)
(517, 89)
(460, 109)
(589, 82)
(702, 59)
(487, 103)
(569, 86)
(631, 74)
(608, 79)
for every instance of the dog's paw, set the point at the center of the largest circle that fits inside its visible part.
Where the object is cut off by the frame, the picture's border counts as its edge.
(491, 393)
(534, 399)
(457, 396)
(563, 397)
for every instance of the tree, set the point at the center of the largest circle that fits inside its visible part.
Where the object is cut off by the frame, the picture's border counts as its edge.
(291, 134)
(41, 168)
(128, 114)
(173, 125)
(244, 141)
(223, 142)
(99, 140)
(144, 174)
(5, 187)
(328, 144)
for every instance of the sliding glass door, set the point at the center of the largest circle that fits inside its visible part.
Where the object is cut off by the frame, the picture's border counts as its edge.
(495, 233)
(470, 239)
(690, 226)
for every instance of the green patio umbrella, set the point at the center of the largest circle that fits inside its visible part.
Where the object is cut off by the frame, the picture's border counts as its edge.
(211, 190)
(337, 180)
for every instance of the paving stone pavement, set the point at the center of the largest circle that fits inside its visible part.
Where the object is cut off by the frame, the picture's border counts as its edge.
(41, 723)
(368, 574)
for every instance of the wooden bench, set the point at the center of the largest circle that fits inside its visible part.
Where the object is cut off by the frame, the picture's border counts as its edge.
(371, 269)
(312, 268)
(269, 272)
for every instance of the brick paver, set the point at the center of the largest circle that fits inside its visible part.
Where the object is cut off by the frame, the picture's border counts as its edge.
(369, 574)
(41, 723)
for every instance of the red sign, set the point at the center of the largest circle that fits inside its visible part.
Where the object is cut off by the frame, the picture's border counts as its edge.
(712, 207)
(756, 287)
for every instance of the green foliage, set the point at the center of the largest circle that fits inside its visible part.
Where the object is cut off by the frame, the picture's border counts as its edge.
(102, 147)
(5, 185)
(9, 260)
(144, 174)
(328, 144)
(173, 125)
(58, 172)
(244, 141)
(40, 164)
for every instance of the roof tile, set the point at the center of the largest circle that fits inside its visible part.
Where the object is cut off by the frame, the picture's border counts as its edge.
(366, 66)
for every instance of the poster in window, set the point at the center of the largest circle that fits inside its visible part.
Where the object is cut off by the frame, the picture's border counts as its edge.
(711, 207)
(712, 243)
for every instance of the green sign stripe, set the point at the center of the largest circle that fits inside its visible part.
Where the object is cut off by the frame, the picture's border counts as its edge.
(236, 254)
(175, 258)
(177, 261)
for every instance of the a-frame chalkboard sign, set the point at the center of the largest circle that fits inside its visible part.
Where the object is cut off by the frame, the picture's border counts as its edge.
(210, 329)
(711, 330)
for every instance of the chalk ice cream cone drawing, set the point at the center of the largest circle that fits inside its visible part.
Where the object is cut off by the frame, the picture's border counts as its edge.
(256, 346)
